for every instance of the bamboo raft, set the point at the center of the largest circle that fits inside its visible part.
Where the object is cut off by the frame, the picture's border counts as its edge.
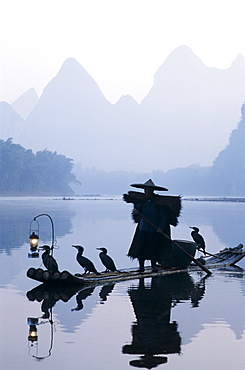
(226, 257)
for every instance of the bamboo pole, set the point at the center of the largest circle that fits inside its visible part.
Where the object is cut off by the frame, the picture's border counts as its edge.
(210, 254)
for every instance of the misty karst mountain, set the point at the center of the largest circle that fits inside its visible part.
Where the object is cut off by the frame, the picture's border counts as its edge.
(226, 177)
(185, 119)
(11, 123)
(25, 103)
(227, 174)
(194, 108)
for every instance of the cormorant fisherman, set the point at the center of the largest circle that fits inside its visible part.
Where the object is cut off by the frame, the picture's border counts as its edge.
(85, 262)
(48, 260)
(106, 260)
(198, 238)
(152, 209)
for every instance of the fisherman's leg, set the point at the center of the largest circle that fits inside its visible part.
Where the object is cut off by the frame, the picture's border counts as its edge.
(168, 249)
(153, 240)
(141, 250)
(153, 263)
(165, 249)
(141, 264)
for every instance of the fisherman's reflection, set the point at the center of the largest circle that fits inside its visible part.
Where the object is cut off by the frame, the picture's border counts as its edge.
(153, 333)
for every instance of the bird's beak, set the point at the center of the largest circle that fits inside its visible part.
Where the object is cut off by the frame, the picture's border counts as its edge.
(98, 248)
(190, 227)
(74, 246)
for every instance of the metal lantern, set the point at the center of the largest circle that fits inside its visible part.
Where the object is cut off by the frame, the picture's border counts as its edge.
(34, 231)
(34, 241)
(34, 236)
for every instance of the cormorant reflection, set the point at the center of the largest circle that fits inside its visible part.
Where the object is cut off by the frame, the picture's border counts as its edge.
(47, 296)
(153, 333)
(184, 288)
(105, 291)
(83, 294)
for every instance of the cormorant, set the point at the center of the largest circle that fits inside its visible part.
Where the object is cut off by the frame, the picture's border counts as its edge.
(49, 261)
(198, 238)
(107, 260)
(85, 262)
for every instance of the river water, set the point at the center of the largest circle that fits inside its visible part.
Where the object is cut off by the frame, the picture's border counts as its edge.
(183, 321)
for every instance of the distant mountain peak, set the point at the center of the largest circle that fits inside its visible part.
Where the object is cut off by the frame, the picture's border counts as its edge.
(239, 62)
(71, 62)
(182, 60)
(73, 67)
(182, 49)
(79, 84)
(127, 99)
(25, 103)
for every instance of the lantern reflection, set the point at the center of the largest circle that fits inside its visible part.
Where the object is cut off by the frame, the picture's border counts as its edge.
(33, 340)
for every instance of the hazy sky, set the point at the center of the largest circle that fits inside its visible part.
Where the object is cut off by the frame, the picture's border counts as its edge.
(120, 43)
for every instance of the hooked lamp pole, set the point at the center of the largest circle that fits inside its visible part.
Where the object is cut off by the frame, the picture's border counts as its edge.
(34, 236)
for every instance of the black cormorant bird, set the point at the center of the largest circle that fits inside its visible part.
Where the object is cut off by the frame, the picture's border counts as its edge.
(107, 260)
(85, 262)
(198, 238)
(49, 261)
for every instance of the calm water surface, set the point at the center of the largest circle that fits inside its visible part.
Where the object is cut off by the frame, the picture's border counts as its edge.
(183, 321)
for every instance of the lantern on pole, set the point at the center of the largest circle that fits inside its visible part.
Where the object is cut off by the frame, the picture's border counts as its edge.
(34, 236)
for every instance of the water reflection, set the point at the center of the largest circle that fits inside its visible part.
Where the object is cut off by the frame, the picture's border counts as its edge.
(105, 292)
(153, 333)
(48, 296)
(33, 347)
(85, 293)
(81, 296)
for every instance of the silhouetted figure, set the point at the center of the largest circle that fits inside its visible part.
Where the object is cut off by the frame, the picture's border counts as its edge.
(153, 217)
(85, 262)
(107, 260)
(48, 260)
(198, 238)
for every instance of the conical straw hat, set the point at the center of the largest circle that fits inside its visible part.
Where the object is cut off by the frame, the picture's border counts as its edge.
(149, 184)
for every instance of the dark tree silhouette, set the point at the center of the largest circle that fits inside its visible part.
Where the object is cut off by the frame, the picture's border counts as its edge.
(24, 173)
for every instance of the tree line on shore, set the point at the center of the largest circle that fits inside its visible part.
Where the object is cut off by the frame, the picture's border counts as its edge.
(24, 173)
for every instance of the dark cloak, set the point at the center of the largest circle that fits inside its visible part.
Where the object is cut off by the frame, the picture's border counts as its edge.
(172, 207)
